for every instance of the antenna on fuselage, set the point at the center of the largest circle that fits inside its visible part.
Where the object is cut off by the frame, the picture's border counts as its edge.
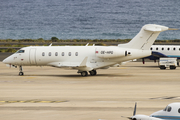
(50, 45)
(134, 112)
(87, 44)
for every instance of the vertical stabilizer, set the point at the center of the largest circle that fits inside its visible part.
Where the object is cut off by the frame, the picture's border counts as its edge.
(146, 37)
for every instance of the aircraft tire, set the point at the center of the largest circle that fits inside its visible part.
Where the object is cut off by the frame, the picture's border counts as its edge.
(162, 67)
(172, 67)
(21, 73)
(84, 73)
(93, 72)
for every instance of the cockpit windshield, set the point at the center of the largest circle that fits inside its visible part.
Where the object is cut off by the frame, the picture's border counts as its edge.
(20, 51)
(168, 109)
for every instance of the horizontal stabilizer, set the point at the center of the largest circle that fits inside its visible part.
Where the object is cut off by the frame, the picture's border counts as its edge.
(156, 28)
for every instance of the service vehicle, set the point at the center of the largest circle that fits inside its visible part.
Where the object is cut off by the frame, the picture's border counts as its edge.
(167, 63)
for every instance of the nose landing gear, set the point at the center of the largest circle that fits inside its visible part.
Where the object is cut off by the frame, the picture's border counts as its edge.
(20, 71)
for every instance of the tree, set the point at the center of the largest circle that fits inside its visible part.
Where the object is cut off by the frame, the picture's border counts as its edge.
(54, 39)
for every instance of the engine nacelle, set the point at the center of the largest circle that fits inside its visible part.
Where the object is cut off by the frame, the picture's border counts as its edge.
(111, 52)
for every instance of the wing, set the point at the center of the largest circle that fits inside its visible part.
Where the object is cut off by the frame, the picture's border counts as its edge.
(156, 55)
(75, 65)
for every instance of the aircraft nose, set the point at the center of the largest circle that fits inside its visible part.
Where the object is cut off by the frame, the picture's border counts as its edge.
(6, 60)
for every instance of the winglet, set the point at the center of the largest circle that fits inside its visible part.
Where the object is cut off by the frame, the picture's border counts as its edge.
(83, 62)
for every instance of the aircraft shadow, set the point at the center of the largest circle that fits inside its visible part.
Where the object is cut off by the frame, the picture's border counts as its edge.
(79, 76)
(145, 66)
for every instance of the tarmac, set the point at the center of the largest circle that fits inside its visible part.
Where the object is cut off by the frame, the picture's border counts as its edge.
(4, 55)
(47, 93)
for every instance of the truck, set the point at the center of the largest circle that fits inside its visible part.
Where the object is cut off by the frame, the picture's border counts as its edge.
(167, 63)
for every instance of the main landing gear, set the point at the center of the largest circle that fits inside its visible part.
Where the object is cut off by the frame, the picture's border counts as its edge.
(93, 72)
(85, 73)
(20, 71)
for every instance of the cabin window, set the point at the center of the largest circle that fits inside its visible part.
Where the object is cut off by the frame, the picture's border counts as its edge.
(69, 53)
(179, 110)
(49, 53)
(168, 48)
(156, 48)
(151, 48)
(179, 49)
(174, 48)
(62, 54)
(76, 53)
(20, 51)
(169, 109)
(162, 48)
(56, 53)
(43, 54)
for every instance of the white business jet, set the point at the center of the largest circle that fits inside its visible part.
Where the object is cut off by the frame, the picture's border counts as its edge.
(87, 58)
(171, 112)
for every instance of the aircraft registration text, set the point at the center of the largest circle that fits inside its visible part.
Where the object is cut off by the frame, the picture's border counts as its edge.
(106, 52)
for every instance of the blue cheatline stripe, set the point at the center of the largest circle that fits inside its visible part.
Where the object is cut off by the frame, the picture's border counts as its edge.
(167, 117)
(175, 56)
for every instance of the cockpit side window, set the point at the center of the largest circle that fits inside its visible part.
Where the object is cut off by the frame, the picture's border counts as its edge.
(165, 108)
(169, 109)
(20, 51)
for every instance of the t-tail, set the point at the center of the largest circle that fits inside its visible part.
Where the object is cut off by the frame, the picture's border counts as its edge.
(146, 37)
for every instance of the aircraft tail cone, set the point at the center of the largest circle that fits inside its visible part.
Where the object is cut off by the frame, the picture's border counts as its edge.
(173, 29)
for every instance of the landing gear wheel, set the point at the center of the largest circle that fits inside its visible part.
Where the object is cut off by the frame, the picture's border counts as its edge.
(21, 73)
(93, 72)
(84, 73)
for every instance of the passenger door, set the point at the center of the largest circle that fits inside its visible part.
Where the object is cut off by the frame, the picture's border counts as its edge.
(32, 56)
